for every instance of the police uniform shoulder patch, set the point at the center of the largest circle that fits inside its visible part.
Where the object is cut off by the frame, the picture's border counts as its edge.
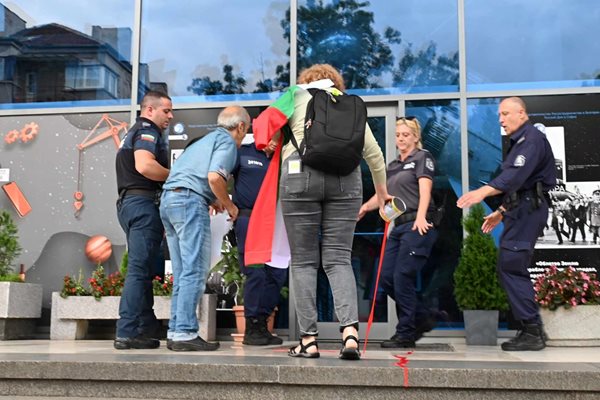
(429, 164)
(147, 137)
(519, 161)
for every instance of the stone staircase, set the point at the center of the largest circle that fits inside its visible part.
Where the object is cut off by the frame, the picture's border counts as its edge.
(167, 375)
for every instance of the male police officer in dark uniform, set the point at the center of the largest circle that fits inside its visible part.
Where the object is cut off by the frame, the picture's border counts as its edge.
(141, 165)
(528, 173)
(263, 283)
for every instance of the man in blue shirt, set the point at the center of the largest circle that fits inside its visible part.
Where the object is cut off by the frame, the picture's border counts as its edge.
(263, 282)
(141, 167)
(528, 173)
(198, 179)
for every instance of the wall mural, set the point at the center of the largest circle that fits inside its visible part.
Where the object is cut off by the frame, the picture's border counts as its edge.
(45, 157)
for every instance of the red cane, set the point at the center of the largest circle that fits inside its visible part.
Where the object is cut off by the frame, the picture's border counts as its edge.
(370, 322)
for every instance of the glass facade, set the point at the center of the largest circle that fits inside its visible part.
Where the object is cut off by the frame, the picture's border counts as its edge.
(214, 50)
(382, 47)
(75, 54)
(440, 121)
(532, 45)
(57, 57)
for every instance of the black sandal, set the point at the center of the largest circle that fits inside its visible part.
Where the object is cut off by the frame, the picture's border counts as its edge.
(350, 353)
(303, 353)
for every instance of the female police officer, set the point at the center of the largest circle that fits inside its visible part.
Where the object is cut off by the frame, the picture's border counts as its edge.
(410, 241)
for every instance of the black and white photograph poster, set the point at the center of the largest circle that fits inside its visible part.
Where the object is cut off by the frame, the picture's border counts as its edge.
(572, 126)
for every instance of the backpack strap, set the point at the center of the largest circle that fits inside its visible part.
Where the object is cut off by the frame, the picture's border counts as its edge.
(294, 142)
(312, 92)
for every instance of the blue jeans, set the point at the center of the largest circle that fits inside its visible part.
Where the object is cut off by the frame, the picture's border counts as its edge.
(406, 252)
(263, 284)
(139, 218)
(185, 216)
(314, 203)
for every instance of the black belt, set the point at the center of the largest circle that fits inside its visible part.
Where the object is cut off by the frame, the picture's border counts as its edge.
(141, 192)
(409, 216)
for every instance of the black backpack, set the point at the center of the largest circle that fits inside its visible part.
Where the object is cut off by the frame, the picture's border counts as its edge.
(334, 132)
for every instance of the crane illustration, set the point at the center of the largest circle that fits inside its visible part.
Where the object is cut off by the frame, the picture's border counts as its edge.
(113, 130)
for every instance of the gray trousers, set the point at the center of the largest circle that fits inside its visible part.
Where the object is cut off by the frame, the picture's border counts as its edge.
(320, 211)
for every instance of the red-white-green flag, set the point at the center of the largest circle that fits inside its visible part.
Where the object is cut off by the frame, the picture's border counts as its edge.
(259, 239)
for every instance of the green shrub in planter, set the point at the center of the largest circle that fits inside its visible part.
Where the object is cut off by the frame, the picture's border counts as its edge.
(9, 248)
(476, 285)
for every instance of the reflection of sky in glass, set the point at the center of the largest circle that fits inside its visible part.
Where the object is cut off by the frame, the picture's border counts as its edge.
(440, 122)
(511, 44)
(551, 42)
(76, 14)
(189, 39)
(420, 23)
(485, 141)
(65, 53)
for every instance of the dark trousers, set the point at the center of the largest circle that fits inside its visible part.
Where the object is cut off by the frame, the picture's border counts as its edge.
(406, 253)
(557, 230)
(522, 226)
(263, 283)
(594, 230)
(579, 225)
(140, 219)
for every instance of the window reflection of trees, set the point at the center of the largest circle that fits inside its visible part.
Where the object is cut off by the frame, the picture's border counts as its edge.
(343, 34)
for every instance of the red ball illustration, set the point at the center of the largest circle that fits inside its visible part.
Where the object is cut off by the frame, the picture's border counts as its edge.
(98, 249)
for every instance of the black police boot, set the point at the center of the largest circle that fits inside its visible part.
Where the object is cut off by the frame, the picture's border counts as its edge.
(424, 326)
(265, 331)
(531, 338)
(544, 334)
(397, 342)
(253, 335)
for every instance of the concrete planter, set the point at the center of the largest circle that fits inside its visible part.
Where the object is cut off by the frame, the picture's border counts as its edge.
(577, 326)
(481, 327)
(20, 305)
(70, 316)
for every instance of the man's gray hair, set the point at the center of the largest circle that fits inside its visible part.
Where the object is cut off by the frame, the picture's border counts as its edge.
(231, 116)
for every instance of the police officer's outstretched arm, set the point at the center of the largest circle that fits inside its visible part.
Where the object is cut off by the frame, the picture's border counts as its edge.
(476, 196)
(491, 221)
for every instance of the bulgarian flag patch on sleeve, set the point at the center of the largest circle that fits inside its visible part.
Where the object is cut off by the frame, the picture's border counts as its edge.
(148, 138)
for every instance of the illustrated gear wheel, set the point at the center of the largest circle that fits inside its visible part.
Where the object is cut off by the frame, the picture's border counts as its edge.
(29, 132)
(11, 136)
